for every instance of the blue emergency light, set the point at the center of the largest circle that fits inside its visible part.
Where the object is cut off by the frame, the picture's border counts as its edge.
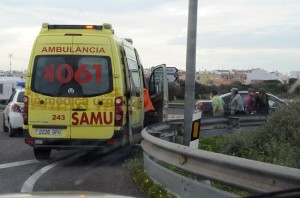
(20, 84)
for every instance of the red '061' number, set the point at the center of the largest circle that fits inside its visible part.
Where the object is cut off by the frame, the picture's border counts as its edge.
(64, 73)
(58, 117)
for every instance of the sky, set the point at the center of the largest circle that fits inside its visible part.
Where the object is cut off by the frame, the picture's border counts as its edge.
(231, 34)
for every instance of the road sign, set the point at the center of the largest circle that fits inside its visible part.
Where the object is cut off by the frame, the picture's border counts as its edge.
(171, 77)
(158, 78)
(171, 70)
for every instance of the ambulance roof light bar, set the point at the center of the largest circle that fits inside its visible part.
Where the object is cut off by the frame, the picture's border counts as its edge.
(97, 27)
(105, 26)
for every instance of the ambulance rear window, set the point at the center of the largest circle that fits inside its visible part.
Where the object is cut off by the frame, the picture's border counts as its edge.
(72, 76)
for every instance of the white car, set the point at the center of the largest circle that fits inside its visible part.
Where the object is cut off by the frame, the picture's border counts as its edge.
(12, 114)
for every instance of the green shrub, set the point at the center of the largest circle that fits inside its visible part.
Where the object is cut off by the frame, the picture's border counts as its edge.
(277, 141)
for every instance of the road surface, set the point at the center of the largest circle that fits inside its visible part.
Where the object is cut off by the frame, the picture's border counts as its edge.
(69, 170)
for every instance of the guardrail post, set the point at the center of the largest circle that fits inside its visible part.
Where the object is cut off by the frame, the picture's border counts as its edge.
(234, 122)
(195, 132)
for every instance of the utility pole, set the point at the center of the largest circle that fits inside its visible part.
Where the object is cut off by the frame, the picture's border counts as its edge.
(10, 56)
(190, 71)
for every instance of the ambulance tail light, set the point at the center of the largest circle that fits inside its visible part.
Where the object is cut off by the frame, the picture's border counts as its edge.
(118, 111)
(25, 110)
(28, 141)
(111, 142)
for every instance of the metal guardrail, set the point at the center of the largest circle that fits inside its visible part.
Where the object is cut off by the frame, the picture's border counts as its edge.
(232, 122)
(250, 175)
(176, 105)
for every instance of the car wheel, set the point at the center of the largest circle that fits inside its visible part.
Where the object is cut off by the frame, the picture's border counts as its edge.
(41, 154)
(5, 128)
(11, 131)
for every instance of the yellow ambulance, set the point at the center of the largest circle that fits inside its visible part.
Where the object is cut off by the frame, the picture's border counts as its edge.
(84, 89)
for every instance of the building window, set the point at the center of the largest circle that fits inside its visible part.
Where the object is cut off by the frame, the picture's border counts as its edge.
(1, 88)
(198, 78)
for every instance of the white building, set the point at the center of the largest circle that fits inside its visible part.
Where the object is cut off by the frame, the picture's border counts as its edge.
(260, 75)
(295, 74)
(257, 75)
(278, 76)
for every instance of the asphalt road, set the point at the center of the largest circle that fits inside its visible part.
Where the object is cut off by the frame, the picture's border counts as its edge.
(69, 170)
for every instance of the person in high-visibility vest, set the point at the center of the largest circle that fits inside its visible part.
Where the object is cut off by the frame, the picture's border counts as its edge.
(149, 110)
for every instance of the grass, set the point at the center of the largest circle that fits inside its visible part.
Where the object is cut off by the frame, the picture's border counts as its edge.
(230, 189)
(136, 166)
(181, 101)
(212, 144)
(177, 101)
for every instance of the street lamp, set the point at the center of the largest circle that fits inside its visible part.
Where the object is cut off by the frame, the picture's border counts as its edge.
(10, 56)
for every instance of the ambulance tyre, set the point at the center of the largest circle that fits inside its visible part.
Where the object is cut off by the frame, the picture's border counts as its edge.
(5, 128)
(42, 154)
(126, 138)
(11, 131)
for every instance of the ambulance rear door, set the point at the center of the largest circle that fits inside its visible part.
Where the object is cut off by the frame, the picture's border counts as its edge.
(92, 117)
(49, 111)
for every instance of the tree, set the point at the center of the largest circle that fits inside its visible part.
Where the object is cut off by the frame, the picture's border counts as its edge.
(200, 91)
(174, 89)
(292, 80)
(294, 86)
(271, 86)
(180, 94)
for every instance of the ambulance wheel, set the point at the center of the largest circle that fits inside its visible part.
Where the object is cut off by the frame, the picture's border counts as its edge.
(11, 131)
(41, 154)
(5, 128)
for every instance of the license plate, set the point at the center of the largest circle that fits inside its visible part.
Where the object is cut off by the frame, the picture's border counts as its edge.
(53, 132)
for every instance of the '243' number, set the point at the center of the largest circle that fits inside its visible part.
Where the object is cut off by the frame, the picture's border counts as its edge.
(82, 75)
(58, 117)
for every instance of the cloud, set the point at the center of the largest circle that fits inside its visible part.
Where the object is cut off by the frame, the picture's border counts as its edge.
(282, 60)
(230, 32)
(268, 37)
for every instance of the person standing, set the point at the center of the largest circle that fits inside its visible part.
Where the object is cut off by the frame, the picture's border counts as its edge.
(217, 104)
(149, 110)
(236, 102)
(249, 102)
(262, 103)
